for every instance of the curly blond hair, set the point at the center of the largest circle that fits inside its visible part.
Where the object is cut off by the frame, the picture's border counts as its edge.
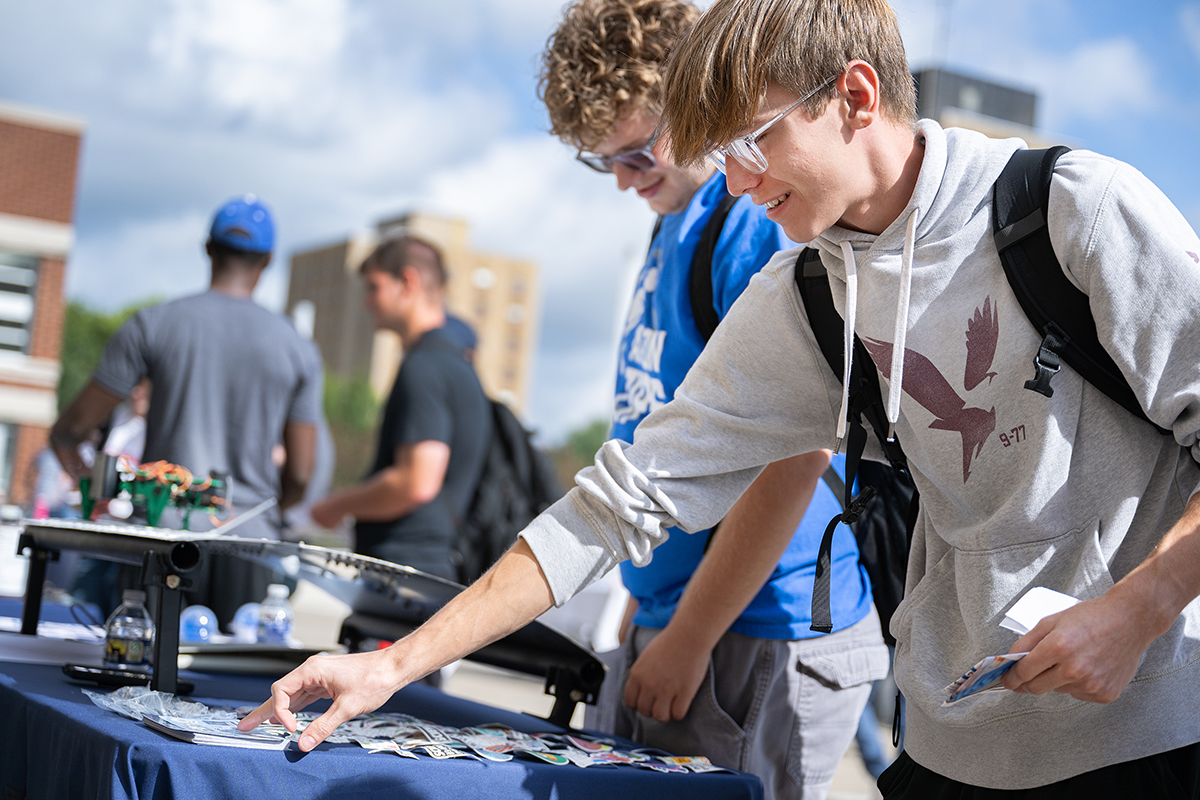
(606, 59)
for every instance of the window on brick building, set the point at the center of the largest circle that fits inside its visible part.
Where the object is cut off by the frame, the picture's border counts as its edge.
(18, 280)
(8, 447)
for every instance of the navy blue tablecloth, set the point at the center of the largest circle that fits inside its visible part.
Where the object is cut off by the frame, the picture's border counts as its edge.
(52, 611)
(55, 744)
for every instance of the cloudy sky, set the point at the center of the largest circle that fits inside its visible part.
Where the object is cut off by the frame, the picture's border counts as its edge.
(343, 112)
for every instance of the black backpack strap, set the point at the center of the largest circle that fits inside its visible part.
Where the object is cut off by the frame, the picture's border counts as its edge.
(1056, 308)
(866, 402)
(866, 399)
(701, 283)
(835, 484)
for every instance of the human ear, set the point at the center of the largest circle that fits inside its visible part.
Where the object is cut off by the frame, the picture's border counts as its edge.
(409, 277)
(860, 86)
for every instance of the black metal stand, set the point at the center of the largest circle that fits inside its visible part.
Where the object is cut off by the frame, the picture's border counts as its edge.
(39, 557)
(569, 687)
(159, 572)
(388, 600)
(162, 572)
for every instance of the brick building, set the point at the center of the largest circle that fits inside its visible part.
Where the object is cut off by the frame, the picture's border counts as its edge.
(39, 157)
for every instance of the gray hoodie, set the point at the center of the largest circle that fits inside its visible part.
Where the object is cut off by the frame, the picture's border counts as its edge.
(1017, 489)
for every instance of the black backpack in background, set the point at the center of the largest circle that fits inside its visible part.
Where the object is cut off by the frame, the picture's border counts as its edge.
(517, 483)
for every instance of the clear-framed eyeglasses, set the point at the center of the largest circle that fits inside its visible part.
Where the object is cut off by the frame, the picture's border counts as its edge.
(745, 149)
(639, 159)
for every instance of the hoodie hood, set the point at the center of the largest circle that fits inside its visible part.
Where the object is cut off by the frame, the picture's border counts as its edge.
(932, 215)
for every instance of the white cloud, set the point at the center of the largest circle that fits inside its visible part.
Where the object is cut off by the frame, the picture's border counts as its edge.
(529, 198)
(1189, 23)
(265, 57)
(142, 259)
(1100, 80)
(1095, 79)
(502, 22)
(918, 29)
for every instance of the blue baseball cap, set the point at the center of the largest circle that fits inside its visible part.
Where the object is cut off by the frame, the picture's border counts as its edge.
(245, 224)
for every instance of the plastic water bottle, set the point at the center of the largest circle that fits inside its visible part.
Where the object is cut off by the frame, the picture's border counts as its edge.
(275, 616)
(245, 623)
(197, 624)
(129, 633)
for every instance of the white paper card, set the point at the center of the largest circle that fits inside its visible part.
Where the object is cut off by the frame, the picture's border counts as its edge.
(1038, 603)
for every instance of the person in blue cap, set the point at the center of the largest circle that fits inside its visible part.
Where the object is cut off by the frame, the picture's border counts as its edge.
(230, 381)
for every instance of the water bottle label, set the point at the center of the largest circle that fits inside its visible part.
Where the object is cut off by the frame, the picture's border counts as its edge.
(274, 631)
(126, 651)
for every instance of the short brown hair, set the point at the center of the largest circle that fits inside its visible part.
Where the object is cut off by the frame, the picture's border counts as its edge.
(606, 59)
(717, 76)
(393, 255)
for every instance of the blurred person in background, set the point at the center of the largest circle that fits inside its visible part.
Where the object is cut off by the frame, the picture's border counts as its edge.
(436, 424)
(230, 381)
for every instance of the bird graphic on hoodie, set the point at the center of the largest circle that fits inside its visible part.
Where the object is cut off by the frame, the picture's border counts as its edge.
(925, 383)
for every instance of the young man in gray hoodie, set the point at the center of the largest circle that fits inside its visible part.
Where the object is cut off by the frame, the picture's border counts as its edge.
(811, 105)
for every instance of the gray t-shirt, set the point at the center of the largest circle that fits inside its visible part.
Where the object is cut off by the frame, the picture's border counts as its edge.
(226, 375)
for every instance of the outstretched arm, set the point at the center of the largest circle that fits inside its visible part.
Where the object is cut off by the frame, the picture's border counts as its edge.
(414, 479)
(86, 412)
(749, 543)
(300, 447)
(510, 595)
(1092, 650)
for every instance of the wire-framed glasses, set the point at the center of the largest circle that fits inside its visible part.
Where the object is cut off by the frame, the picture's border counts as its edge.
(639, 159)
(745, 149)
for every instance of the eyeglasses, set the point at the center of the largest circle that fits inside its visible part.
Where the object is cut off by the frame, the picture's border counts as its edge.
(745, 149)
(638, 160)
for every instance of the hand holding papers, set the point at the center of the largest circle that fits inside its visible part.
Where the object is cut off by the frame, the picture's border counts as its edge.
(1023, 617)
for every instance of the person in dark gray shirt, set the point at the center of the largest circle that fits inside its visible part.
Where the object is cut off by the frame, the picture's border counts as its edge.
(436, 424)
(230, 380)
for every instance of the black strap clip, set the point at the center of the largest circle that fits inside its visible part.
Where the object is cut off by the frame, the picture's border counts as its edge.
(858, 505)
(1048, 360)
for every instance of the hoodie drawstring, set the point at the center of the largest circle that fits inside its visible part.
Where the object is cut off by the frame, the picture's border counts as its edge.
(848, 338)
(899, 334)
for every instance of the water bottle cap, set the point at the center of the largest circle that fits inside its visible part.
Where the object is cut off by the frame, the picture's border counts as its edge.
(277, 590)
(133, 596)
(197, 623)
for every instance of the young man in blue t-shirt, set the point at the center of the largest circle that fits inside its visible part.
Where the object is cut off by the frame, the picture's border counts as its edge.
(719, 660)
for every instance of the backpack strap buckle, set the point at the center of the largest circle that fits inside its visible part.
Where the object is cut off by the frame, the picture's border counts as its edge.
(1048, 360)
(858, 505)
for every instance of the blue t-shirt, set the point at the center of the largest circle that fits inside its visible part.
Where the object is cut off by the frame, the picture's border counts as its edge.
(659, 343)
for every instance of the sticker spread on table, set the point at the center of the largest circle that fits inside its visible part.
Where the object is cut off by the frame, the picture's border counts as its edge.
(399, 734)
(442, 751)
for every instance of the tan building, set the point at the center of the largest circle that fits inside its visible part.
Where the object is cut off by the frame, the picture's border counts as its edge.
(39, 157)
(497, 296)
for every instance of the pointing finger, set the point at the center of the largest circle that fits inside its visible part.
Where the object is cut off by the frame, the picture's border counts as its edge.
(319, 729)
